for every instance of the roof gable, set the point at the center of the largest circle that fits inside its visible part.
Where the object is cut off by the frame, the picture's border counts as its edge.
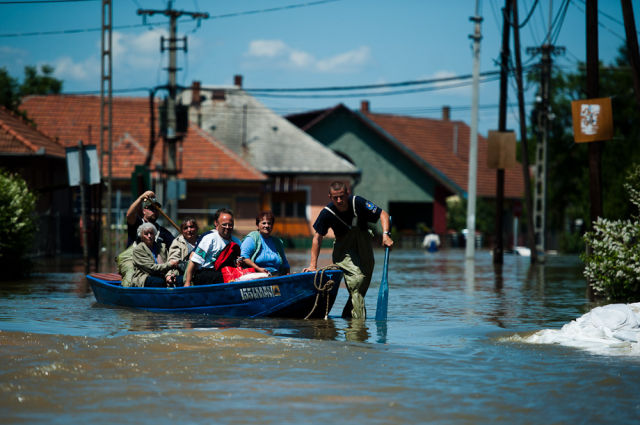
(17, 137)
(440, 147)
(70, 118)
(265, 139)
(445, 145)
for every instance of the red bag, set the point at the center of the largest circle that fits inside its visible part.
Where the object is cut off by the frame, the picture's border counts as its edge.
(229, 274)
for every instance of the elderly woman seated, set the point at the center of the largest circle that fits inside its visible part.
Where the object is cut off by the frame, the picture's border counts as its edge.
(263, 252)
(181, 248)
(150, 259)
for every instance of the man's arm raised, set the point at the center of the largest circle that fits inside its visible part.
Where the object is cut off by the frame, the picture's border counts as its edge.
(136, 207)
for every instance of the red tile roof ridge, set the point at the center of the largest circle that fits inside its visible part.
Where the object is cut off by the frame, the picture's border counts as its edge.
(408, 117)
(92, 96)
(126, 137)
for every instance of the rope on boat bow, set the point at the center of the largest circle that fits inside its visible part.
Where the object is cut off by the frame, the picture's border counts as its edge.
(322, 288)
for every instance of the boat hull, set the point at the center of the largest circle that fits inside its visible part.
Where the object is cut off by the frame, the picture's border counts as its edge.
(292, 296)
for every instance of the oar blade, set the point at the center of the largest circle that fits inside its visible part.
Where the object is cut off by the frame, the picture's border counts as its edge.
(383, 292)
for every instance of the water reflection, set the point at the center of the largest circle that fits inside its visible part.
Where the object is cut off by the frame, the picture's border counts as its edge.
(356, 331)
(381, 331)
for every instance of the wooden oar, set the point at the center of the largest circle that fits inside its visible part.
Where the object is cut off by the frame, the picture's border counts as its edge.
(383, 293)
(157, 205)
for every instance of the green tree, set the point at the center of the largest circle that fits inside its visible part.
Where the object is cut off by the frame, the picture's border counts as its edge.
(17, 224)
(8, 90)
(34, 82)
(568, 180)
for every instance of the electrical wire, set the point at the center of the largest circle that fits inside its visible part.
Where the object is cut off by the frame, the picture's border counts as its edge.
(370, 94)
(378, 86)
(529, 14)
(42, 1)
(559, 21)
(272, 9)
(82, 30)
(603, 26)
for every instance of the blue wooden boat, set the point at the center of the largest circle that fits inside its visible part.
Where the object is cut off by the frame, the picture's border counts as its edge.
(290, 296)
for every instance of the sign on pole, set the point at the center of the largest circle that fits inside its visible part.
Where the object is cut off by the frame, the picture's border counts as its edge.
(592, 120)
(91, 167)
(501, 152)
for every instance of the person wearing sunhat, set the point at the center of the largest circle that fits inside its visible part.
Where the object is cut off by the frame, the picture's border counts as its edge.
(144, 210)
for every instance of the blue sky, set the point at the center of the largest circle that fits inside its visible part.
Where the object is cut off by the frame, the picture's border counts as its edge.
(319, 44)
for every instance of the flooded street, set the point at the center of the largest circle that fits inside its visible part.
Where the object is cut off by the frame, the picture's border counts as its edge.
(451, 352)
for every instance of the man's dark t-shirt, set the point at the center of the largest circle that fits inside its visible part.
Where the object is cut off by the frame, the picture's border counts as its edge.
(132, 233)
(367, 212)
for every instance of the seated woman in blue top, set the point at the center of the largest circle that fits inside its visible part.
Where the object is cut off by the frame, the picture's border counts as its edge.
(262, 251)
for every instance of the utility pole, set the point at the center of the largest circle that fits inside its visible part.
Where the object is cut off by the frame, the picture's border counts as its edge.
(106, 121)
(544, 118)
(592, 91)
(473, 145)
(523, 136)
(632, 45)
(171, 136)
(502, 126)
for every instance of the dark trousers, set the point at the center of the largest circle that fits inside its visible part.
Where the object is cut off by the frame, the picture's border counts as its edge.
(155, 282)
(160, 282)
(207, 277)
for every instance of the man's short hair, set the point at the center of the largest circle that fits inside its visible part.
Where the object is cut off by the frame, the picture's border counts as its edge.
(337, 186)
(221, 211)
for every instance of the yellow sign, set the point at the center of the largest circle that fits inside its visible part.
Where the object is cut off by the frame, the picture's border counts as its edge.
(501, 152)
(592, 120)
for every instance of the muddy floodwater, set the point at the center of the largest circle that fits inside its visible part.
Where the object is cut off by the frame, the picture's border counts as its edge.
(451, 352)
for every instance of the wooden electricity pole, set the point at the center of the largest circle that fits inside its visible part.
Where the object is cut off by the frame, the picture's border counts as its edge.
(592, 90)
(498, 251)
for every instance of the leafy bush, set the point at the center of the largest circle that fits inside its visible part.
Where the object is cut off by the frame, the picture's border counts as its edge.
(17, 223)
(571, 243)
(612, 263)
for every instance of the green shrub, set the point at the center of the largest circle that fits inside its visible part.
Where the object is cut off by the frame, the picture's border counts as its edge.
(571, 243)
(612, 262)
(17, 224)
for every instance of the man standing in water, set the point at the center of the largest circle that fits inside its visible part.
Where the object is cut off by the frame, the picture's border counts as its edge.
(348, 216)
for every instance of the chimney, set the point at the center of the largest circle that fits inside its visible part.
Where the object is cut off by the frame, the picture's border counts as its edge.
(446, 113)
(364, 106)
(237, 80)
(195, 93)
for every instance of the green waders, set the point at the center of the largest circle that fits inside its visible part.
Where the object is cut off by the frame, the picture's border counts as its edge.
(353, 253)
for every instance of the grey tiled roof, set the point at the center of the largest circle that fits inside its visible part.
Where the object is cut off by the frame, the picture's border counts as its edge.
(266, 140)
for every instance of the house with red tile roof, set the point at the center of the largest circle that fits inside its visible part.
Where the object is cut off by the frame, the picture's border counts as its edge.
(299, 167)
(410, 165)
(40, 161)
(215, 176)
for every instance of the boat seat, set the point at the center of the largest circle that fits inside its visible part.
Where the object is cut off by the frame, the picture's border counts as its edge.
(109, 277)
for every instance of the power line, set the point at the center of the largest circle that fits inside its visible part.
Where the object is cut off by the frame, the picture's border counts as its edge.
(70, 31)
(81, 30)
(43, 1)
(272, 9)
(377, 86)
(600, 24)
(559, 21)
(436, 84)
(369, 94)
